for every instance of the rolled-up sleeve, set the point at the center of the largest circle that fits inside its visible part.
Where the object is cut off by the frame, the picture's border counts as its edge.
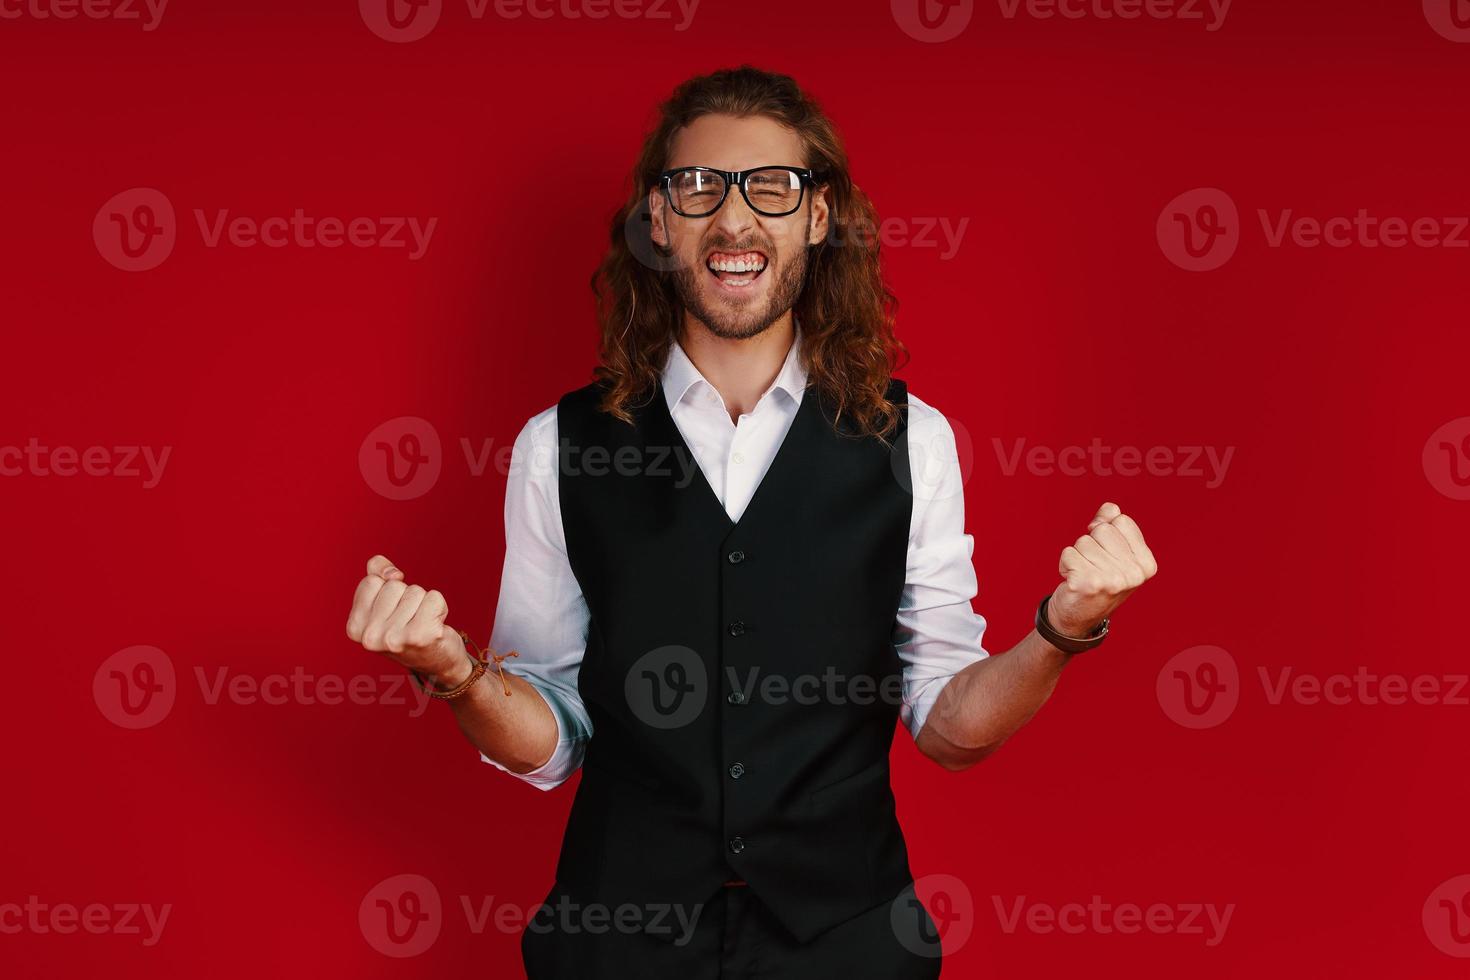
(937, 633)
(541, 613)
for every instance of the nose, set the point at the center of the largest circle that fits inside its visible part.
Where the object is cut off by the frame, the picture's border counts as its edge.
(735, 218)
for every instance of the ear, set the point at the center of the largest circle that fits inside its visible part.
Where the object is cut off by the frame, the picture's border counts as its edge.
(658, 230)
(821, 214)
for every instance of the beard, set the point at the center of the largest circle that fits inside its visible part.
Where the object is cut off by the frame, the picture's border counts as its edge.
(732, 322)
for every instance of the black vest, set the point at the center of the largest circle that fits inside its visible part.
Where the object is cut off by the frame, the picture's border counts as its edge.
(741, 678)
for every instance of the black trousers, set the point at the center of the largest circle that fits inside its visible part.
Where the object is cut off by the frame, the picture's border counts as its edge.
(733, 936)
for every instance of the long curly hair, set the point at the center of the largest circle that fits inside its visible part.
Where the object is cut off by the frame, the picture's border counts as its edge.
(845, 310)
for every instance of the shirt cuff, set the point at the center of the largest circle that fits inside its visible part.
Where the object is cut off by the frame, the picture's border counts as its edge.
(571, 744)
(921, 696)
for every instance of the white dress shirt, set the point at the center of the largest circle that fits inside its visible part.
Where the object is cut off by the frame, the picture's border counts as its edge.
(543, 616)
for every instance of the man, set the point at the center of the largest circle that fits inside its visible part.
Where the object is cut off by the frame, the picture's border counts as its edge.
(731, 568)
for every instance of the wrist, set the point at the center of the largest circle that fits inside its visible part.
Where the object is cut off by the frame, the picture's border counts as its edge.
(450, 675)
(1066, 635)
(1074, 629)
(452, 667)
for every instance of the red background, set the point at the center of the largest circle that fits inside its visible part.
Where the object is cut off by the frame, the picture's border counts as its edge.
(1059, 320)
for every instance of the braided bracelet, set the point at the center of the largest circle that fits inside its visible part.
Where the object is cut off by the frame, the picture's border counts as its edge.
(481, 662)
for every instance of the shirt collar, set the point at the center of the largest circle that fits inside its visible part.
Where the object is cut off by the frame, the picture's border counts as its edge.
(680, 375)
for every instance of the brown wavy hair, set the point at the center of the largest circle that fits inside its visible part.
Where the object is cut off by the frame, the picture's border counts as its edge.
(845, 309)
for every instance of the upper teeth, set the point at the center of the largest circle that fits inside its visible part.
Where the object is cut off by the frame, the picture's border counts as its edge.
(754, 264)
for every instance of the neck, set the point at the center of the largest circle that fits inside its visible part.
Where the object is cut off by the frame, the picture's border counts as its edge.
(741, 369)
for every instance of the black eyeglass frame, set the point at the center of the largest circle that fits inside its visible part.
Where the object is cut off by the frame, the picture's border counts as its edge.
(734, 178)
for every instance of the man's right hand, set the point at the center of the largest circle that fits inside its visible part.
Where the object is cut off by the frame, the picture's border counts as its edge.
(406, 624)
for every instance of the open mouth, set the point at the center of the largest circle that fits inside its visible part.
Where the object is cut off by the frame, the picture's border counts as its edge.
(736, 270)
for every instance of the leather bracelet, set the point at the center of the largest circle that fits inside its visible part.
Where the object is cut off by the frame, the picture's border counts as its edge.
(455, 691)
(482, 664)
(1068, 644)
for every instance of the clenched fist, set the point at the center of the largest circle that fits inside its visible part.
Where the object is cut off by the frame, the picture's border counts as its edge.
(405, 623)
(1100, 570)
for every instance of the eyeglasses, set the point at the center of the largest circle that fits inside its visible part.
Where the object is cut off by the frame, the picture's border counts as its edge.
(698, 192)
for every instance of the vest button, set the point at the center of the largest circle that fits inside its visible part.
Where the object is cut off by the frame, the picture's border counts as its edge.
(737, 770)
(737, 628)
(736, 697)
(736, 557)
(737, 844)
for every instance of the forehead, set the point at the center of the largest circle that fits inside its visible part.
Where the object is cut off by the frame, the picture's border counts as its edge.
(735, 143)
